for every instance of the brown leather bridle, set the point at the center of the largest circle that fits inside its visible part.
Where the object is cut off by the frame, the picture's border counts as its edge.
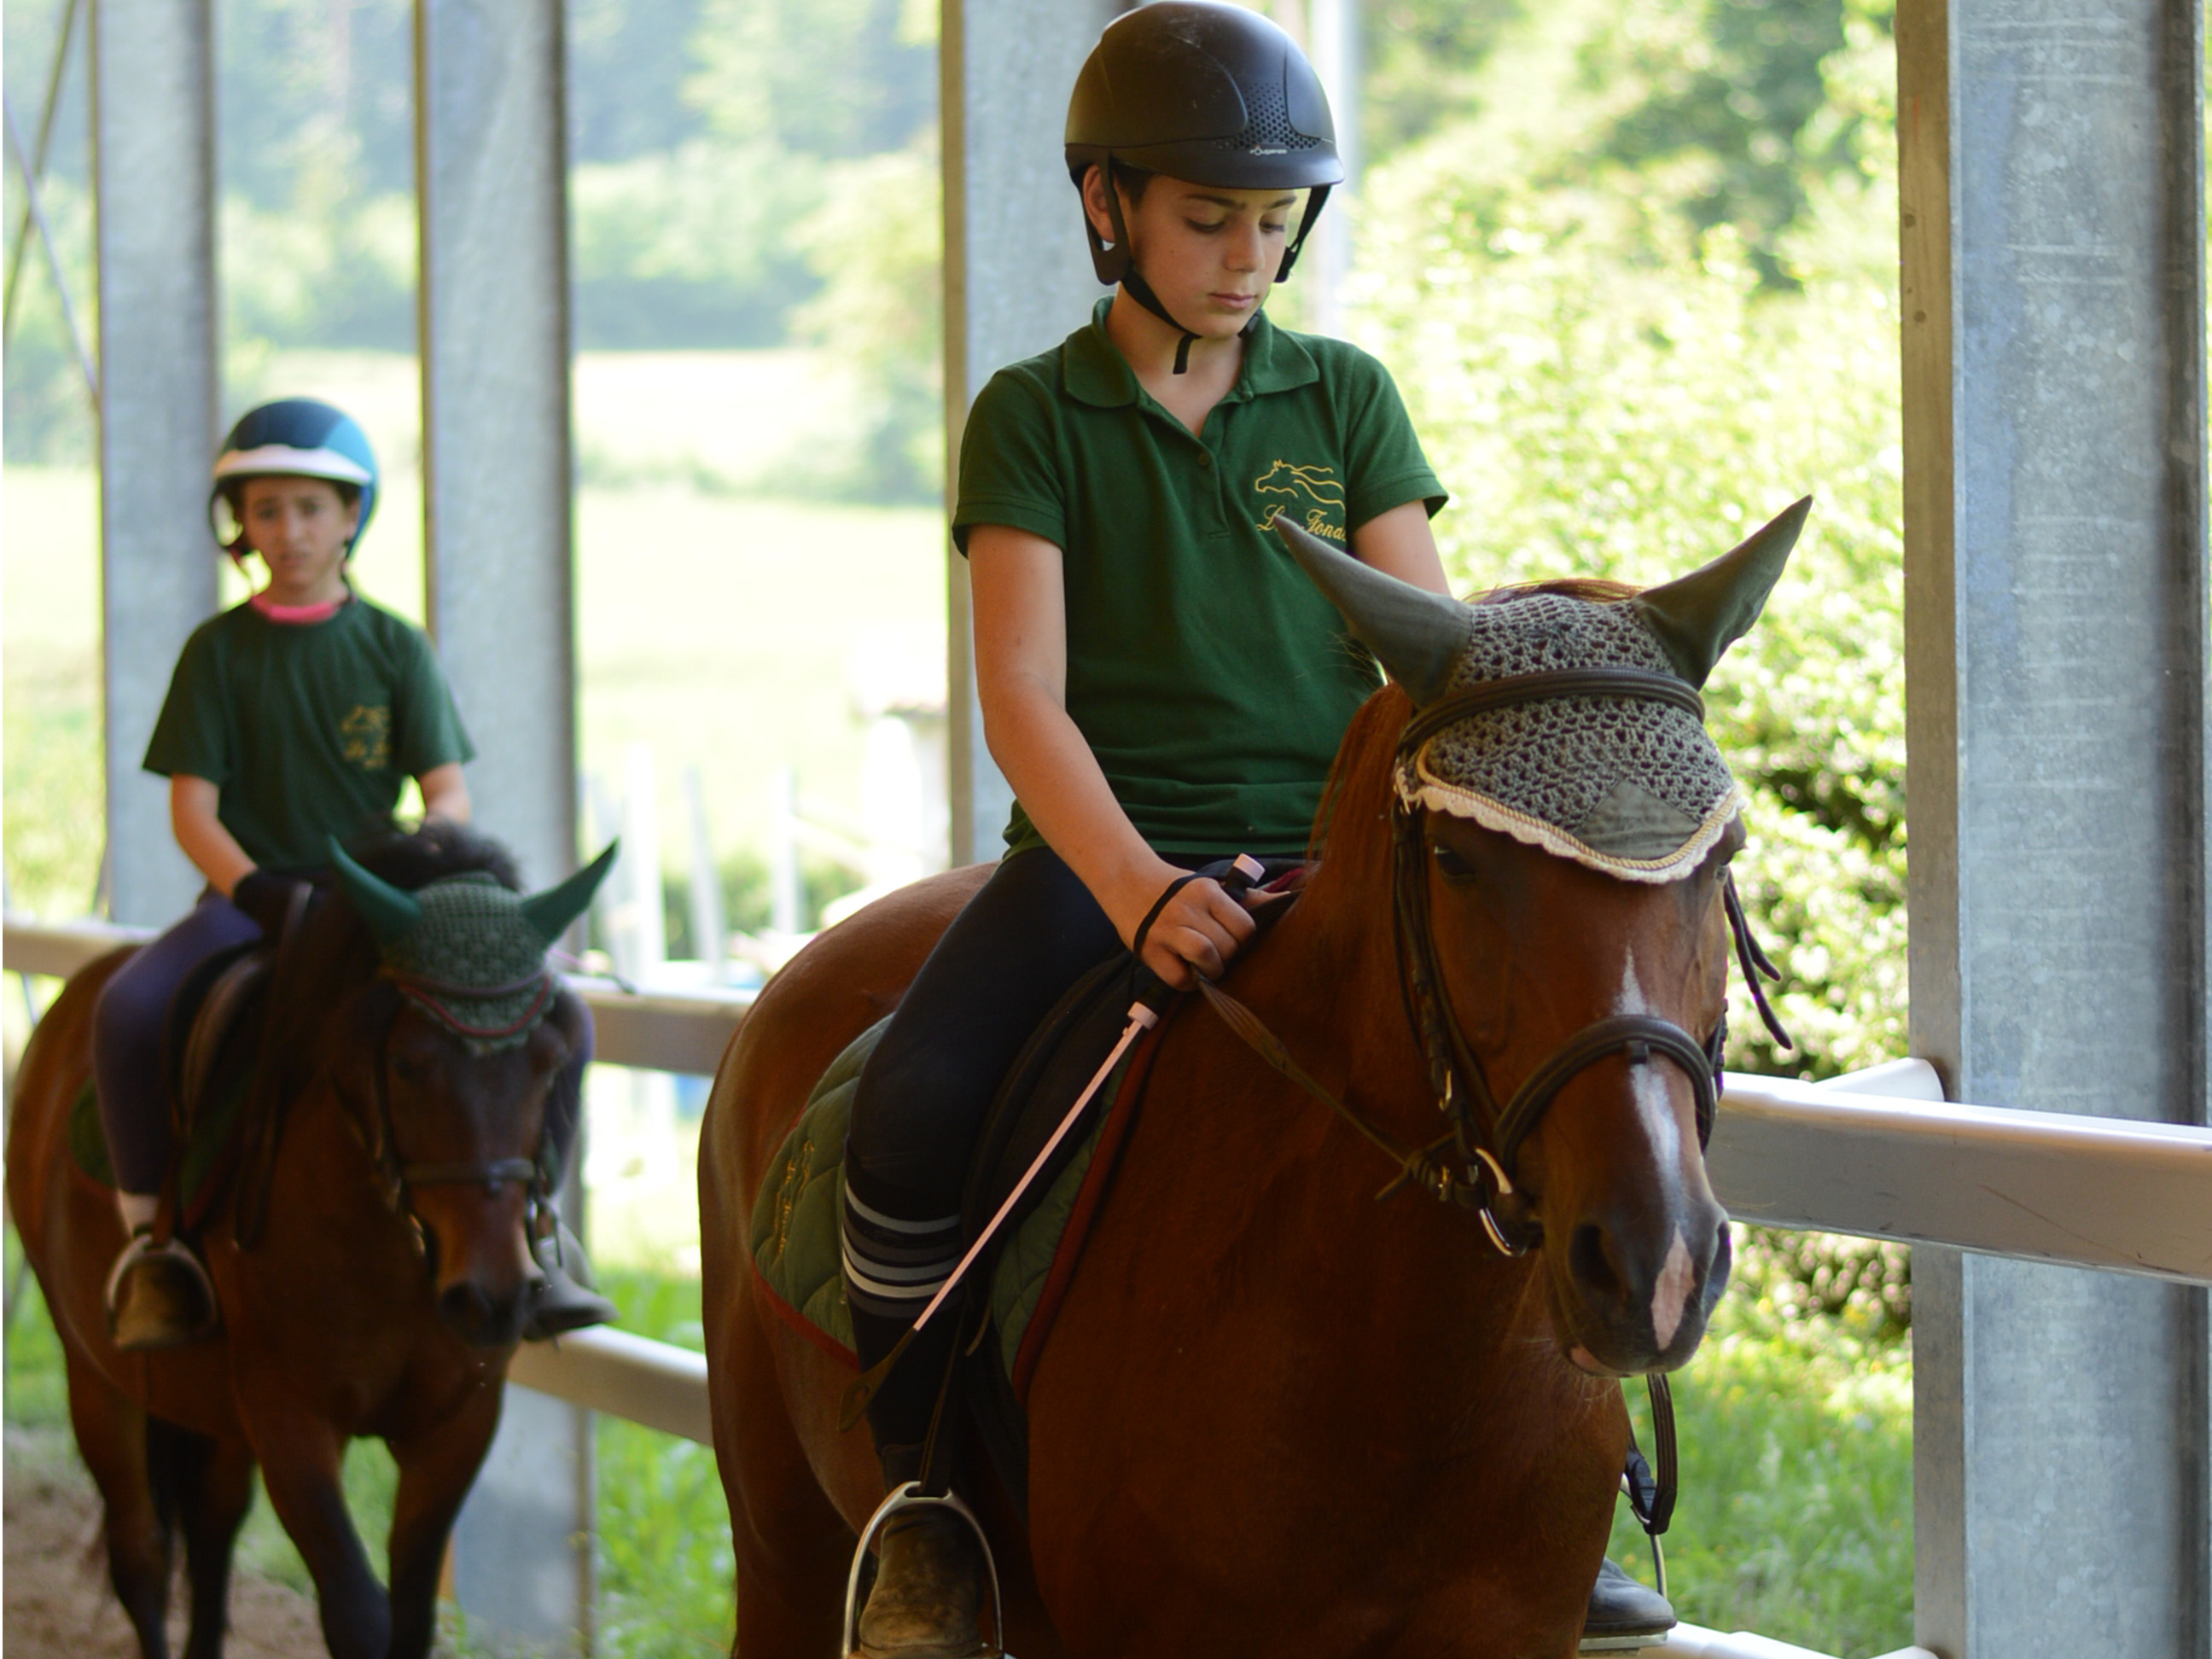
(1486, 1134)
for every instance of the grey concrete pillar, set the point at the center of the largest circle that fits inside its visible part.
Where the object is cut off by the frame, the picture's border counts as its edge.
(494, 330)
(154, 170)
(2056, 649)
(490, 167)
(1018, 279)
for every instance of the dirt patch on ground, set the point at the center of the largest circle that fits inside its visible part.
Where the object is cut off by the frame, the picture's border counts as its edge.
(57, 1601)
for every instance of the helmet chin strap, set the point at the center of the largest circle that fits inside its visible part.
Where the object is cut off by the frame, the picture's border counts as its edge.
(1141, 292)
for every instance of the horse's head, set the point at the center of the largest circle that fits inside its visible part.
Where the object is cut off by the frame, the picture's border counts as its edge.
(1561, 830)
(480, 1038)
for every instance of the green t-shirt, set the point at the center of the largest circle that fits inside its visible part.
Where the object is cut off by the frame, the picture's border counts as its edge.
(1209, 676)
(308, 730)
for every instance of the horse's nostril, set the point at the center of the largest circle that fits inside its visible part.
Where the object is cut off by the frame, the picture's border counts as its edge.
(464, 1308)
(1591, 1263)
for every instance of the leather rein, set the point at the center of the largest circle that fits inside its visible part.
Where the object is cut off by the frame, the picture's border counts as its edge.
(1473, 1165)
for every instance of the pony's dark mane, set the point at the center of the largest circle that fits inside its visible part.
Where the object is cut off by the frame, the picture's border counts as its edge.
(333, 957)
(440, 848)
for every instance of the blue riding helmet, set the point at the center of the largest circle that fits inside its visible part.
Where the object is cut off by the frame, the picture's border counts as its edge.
(296, 438)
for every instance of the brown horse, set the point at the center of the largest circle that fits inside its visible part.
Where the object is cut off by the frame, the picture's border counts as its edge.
(1275, 1416)
(382, 1296)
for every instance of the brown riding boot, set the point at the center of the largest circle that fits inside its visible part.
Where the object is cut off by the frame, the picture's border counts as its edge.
(158, 1297)
(928, 1592)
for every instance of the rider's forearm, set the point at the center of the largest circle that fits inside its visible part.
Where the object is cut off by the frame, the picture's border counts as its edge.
(1399, 542)
(1067, 796)
(212, 849)
(445, 793)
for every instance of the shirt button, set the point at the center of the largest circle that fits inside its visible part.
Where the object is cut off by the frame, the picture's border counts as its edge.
(1205, 461)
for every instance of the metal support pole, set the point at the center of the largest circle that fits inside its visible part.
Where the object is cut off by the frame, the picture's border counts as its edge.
(35, 168)
(154, 178)
(2056, 613)
(1017, 280)
(1333, 43)
(490, 165)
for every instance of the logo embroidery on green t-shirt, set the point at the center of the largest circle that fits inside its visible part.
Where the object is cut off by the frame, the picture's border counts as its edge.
(368, 733)
(1316, 499)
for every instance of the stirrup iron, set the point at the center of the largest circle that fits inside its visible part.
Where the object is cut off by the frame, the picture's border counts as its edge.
(910, 1496)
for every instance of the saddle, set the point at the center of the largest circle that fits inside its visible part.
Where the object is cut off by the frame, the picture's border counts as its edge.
(1012, 1295)
(209, 1040)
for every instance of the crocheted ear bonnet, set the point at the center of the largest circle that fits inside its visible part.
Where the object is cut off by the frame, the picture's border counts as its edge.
(468, 951)
(1632, 787)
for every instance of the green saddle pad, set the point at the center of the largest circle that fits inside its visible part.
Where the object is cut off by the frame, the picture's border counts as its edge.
(204, 1150)
(797, 1236)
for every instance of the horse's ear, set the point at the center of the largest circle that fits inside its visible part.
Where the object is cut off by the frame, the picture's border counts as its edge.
(1699, 615)
(550, 912)
(391, 912)
(1416, 634)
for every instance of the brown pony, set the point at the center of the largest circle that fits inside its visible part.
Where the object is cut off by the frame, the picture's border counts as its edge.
(1274, 1416)
(382, 1295)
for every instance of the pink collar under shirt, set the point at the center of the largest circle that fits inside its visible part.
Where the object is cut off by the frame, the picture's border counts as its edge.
(297, 615)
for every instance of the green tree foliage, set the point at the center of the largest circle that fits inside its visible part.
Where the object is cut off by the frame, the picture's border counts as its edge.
(1608, 391)
(877, 245)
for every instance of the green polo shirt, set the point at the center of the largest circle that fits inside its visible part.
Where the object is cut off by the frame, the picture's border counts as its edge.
(307, 730)
(1209, 676)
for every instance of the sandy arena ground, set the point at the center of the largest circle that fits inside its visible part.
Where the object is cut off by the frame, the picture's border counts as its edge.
(57, 1601)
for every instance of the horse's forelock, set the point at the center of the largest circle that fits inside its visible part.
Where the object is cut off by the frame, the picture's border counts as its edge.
(440, 848)
(1598, 590)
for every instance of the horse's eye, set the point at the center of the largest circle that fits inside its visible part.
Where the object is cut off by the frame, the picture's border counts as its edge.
(1454, 867)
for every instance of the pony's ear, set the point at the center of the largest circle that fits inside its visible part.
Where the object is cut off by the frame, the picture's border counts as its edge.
(1699, 615)
(549, 913)
(1416, 634)
(392, 913)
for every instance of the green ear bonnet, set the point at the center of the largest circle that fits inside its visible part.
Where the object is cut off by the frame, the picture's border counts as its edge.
(1635, 788)
(468, 951)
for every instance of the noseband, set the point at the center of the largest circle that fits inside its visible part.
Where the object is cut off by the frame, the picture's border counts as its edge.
(398, 1177)
(1486, 1135)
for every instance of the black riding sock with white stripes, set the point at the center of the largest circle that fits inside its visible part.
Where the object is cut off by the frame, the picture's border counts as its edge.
(892, 1269)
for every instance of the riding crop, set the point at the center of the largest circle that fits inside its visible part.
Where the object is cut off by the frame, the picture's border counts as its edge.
(1144, 1014)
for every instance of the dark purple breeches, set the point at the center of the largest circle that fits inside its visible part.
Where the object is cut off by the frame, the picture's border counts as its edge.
(127, 1028)
(126, 1037)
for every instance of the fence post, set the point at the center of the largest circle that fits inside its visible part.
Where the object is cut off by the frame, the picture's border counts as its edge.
(1017, 280)
(490, 165)
(2051, 173)
(154, 173)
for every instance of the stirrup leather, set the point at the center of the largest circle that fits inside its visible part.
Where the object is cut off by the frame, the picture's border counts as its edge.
(902, 1498)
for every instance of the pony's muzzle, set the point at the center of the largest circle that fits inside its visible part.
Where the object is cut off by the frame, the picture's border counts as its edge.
(486, 1283)
(1642, 1291)
(484, 1320)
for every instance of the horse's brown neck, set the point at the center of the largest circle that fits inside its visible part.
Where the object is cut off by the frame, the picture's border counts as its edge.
(1325, 980)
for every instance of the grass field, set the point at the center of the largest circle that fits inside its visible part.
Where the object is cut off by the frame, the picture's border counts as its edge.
(720, 627)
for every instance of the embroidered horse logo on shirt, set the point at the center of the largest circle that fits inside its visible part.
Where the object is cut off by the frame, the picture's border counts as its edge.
(1316, 499)
(366, 734)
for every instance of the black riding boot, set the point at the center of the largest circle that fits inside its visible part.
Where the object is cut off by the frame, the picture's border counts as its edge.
(1621, 1607)
(928, 1598)
(571, 1299)
(929, 1575)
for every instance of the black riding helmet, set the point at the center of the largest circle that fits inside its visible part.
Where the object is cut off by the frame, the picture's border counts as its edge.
(1206, 91)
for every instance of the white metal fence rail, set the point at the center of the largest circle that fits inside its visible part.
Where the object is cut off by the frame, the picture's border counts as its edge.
(1879, 1152)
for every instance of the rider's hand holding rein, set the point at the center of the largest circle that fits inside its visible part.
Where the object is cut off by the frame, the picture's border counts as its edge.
(1021, 680)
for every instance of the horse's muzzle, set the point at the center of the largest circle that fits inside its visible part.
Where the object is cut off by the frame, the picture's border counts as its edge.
(1635, 1297)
